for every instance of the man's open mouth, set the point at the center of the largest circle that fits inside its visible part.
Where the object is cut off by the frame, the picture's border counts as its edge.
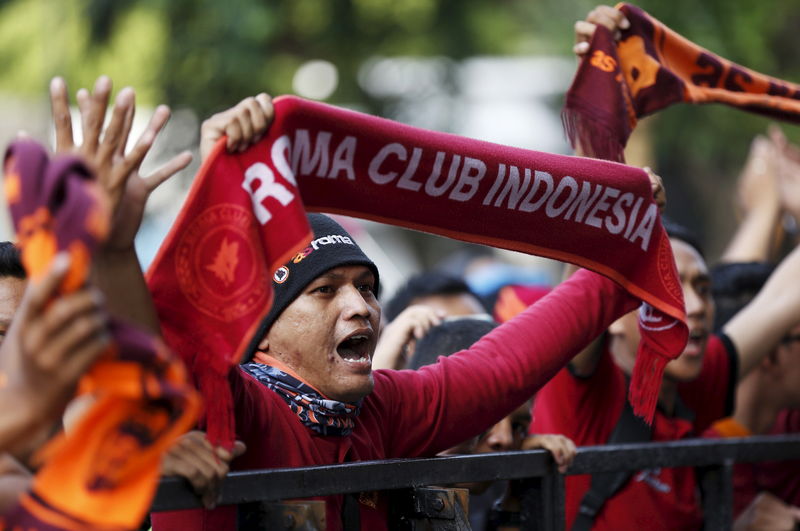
(355, 349)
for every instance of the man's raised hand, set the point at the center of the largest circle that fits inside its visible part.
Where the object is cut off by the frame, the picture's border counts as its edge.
(104, 150)
(607, 16)
(244, 124)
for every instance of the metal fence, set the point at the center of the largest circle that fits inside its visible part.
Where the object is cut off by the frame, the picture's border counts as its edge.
(543, 491)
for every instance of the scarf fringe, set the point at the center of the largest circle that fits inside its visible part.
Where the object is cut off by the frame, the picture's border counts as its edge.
(646, 382)
(212, 380)
(590, 136)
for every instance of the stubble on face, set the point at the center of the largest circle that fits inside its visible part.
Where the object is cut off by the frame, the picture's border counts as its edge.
(327, 335)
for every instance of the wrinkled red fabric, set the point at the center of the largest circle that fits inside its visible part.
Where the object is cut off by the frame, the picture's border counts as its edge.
(245, 217)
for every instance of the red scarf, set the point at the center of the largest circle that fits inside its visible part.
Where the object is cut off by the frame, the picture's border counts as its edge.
(104, 474)
(650, 68)
(247, 208)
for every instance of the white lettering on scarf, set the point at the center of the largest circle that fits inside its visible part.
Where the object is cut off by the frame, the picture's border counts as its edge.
(459, 178)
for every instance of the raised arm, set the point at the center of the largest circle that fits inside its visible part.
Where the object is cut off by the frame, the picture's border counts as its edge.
(467, 392)
(760, 325)
(759, 200)
(788, 178)
(116, 269)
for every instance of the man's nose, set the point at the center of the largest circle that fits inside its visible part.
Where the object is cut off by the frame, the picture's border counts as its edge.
(353, 303)
(696, 305)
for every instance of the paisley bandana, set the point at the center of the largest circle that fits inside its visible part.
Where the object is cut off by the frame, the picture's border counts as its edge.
(322, 415)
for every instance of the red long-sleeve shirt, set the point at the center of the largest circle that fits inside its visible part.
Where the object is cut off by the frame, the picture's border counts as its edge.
(420, 413)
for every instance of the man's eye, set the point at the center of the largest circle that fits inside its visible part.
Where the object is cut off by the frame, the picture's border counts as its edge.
(325, 290)
(366, 287)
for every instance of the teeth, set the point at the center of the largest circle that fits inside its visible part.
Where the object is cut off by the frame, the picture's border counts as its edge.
(362, 359)
(359, 337)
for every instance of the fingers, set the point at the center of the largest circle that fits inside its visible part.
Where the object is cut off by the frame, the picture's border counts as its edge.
(62, 120)
(44, 290)
(176, 164)
(115, 135)
(611, 18)
(561, 448)
(70, 322)
(126, 128)
(134, 159)
(584, 31)
(193, 458)
(245, 120)
(239, 448)
(425, 323)
(78, 360)
(261, 114)
(227, 456)
(243, 125)
(657, 189)
(249, 121)
(93, 110)
(606, 16)
(233, 130)
(570, 451)
(417, 319)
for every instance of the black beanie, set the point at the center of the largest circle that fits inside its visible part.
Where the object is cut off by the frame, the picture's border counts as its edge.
(330, 247)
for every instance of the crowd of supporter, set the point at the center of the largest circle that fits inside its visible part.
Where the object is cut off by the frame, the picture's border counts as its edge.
(334, 376)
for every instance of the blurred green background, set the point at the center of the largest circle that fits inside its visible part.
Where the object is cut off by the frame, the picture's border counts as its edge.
(206, 55)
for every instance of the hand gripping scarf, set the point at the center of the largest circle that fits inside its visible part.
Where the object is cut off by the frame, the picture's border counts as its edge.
(321, 415)
(244, 218)
(104, 474)
(650, 68)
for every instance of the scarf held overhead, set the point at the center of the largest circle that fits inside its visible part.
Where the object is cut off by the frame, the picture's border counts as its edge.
(650, 68)
(247, 207)
(103, 475)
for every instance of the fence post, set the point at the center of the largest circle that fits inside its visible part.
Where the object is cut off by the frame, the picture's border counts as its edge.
(716, 482)
(542, 503)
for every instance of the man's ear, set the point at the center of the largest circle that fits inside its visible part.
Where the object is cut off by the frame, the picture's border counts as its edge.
(263, 346)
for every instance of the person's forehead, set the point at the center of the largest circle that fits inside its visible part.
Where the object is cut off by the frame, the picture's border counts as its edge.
(346, 272)
(11, 290)
(689, 262)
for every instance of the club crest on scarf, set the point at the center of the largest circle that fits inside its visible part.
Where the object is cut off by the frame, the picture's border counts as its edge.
(216, 263)
(322, 415)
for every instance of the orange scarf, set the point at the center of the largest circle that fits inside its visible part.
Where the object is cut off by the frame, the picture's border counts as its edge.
(104, 474)
(650, 68)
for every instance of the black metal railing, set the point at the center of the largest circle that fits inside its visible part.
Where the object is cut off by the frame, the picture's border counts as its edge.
(543, 493)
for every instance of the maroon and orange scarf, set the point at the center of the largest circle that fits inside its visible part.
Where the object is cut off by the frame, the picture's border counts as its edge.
(650, 68)
(104, 474)
(245, 217)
